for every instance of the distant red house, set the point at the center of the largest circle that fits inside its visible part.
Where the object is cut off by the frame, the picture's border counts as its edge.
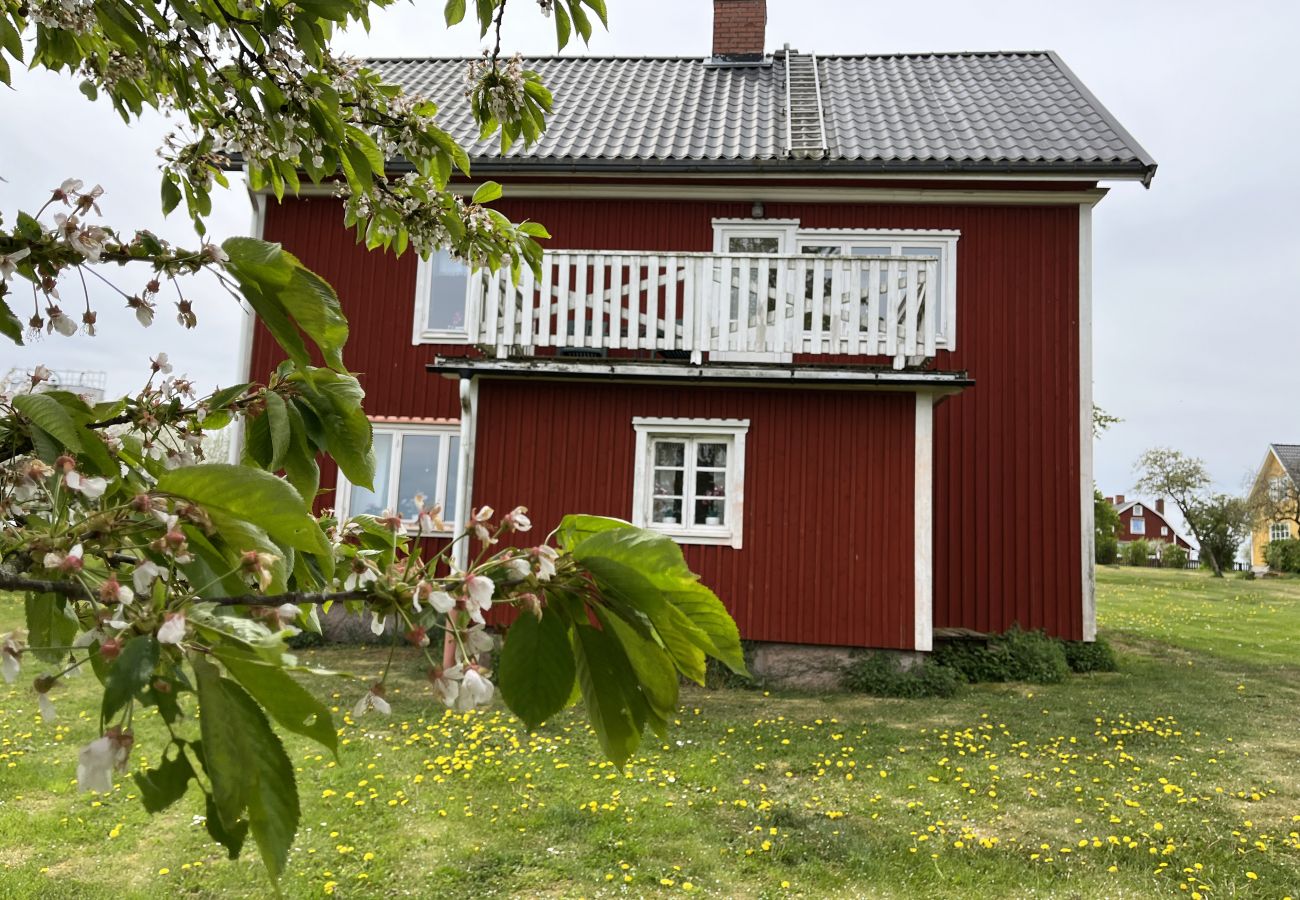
(825, 320)
(1139, 521)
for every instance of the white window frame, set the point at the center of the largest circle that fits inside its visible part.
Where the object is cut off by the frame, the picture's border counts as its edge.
(1277, 488)
(343, 490)
(1273, 531)
(730, 431)
(791, 236)
(1137, 511)
(1164, 531)
(1137, 526)
(421, 332)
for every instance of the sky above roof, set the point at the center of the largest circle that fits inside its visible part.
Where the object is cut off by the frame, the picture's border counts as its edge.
(1196, 304)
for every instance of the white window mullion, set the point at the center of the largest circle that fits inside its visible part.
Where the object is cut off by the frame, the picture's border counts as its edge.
(444, 454)
(394, 471)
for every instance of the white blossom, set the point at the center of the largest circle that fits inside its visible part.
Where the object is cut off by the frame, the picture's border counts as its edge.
(92, 487)
(46, 705)
(11, 649)
(8, 265)
(172, 630)
(545, 558)
(372, 699)
(475, 689)
(478, 596)
(517, 519)
(143, 576)
(377, 623)
(99, 759)
(445, 688)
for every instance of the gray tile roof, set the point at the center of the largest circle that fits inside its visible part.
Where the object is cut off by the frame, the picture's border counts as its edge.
(1289, 456)
(993, 112)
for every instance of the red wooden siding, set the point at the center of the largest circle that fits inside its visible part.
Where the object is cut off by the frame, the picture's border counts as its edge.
(827, 555)
(1007, 468)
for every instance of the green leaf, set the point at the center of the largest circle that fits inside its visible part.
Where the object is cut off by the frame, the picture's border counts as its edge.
(277, 420)
(50, 415)
(602, 672)
(300, 466)
(171, 195)
(345, 431)
(288, 702)
(10, 326)
(454, 12)
(231, 838)
(645, 570)
(247, 765)
(562, 25)
(288, 296)
(132, 671)
(163, 786)
(252, 495)
(49, 624)
(486, 192)
(536, 669)
(655, 674)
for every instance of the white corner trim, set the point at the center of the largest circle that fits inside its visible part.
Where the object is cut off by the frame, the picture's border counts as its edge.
(923, 524)
(1089, 599)
(730, 534)
(258, 230)
(465, 487)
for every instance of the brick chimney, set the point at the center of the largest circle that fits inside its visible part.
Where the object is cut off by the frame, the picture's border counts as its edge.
(1119, 499)
(739, 30)
(1160, 506)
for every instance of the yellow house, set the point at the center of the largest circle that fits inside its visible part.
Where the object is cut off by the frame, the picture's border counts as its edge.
(1276, 487)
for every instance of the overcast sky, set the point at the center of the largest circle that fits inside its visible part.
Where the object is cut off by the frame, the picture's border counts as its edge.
(1196, 304)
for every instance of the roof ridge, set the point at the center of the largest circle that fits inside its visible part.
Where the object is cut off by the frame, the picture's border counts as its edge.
(915, 54)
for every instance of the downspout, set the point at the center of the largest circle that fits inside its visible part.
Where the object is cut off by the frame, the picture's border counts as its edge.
(257, 229)
(465, 485)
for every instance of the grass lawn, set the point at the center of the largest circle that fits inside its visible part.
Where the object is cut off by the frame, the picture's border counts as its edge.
(1177, 776)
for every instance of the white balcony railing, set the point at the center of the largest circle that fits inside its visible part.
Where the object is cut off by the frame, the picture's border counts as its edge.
(752, 307)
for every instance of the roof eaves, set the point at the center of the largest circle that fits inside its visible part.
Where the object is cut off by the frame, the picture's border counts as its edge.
(1148, 162)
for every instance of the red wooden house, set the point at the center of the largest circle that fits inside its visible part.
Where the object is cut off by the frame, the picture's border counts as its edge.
(1140, 521)
(823, 319)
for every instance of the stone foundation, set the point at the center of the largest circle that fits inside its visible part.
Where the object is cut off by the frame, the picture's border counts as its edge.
(804, 667)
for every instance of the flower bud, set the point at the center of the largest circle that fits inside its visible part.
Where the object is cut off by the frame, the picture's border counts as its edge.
(109, 648)
(43, 683)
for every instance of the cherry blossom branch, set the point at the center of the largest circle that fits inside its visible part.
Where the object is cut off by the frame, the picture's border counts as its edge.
(78, 591)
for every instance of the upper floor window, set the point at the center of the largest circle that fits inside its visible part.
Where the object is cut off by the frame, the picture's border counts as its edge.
(1137, 511)
(411, 460)
(690, 478)
(1277, 488)
(441, 288)
(1279, 531)
(785, 236)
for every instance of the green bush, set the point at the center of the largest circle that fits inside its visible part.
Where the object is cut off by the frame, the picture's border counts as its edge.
(1090, 656)
(1283, 556)
(1014, 656)
(718, 676)
(1107, 550)
(881, 675)
(1174, 557)
(1137, 553)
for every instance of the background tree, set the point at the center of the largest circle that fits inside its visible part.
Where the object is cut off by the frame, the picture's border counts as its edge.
(1106, 522)
(1219, 522)
(177, 580)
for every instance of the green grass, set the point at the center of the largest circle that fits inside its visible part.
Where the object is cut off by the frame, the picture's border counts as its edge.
(1178, 773)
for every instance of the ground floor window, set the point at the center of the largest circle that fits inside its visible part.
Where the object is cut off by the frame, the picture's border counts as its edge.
(690, 477)
(1137, 526)
(410, 460)
(1279, 531)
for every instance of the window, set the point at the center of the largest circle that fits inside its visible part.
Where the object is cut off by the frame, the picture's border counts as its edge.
(441, 285)
(1137, 526)
(1277, 488)
(409, 459)
(1279, 531)
(785, 236)
(1164, 531)
(690, 478)
(1137, 511)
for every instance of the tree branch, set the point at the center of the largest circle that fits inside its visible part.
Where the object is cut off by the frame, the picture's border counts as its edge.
(77, 591)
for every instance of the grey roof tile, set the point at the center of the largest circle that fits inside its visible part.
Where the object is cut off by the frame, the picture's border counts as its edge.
(1004, 111)
(1289, 456)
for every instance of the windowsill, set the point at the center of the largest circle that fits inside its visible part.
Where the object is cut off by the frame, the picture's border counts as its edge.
(435, 336)
(698, 535)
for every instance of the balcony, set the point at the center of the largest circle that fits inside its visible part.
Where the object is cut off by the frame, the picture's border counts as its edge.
(701, 307)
